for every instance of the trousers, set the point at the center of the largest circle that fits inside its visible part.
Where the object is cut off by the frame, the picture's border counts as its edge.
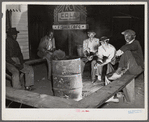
(93, 70)
(127, 60)
(27, 70)
(103, 70)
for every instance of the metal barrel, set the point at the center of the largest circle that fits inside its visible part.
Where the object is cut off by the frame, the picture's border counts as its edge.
(67, 78)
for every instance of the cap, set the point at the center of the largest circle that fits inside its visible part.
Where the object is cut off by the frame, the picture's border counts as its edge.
(104, 38)
(12, 31)
(128, 31)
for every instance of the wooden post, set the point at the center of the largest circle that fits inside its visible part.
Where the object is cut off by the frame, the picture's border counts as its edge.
(69, 43)
(129, 91)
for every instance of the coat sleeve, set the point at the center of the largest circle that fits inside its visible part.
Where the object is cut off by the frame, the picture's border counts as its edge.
(8, 56)
(84, 46)
(20, 56)
(42, 44)
(53, 42)
(112, 55)
(130, 47)
(99, 54)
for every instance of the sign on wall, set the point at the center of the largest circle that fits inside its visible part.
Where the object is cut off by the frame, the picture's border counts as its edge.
(70, 27)
(70, 17)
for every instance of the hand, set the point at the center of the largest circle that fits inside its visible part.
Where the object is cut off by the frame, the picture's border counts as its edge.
(119, 53)
(86, 53)
(90, 58)
(19, 66)
(99, 62)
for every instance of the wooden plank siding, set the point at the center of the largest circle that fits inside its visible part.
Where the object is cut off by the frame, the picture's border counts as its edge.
(94, 100)
(20, 21)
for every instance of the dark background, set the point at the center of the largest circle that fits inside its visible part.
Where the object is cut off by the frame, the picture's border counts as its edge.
(105, 20)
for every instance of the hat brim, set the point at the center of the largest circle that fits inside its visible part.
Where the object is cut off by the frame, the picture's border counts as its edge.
(13, 32)
(91, 32)
(128, 32)
(104, 40)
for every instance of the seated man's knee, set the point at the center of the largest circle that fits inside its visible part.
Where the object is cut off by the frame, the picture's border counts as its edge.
(16, 72)
(128, 52)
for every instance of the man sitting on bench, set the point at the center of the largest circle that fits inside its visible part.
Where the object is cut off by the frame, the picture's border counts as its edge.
(90, 47)
(14, 62)
(105, 58)
(131, 56)
(47, 50)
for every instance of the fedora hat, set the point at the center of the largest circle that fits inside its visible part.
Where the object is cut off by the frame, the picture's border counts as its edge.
(12, 31)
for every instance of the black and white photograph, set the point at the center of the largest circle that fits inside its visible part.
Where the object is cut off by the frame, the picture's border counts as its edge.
(74, 61)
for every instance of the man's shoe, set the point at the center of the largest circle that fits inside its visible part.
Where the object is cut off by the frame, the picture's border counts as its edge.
(28, 88)
(115, 76)
(93, 81)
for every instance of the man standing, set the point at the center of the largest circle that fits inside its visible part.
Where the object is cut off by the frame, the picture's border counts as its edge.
(105, 57)
(131, 56)
(90, 47)
(14, 61)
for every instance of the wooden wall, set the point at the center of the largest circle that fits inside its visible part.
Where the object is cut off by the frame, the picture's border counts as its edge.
(20, 21)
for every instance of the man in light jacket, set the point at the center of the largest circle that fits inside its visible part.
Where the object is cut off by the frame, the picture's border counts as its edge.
(105, 57)
(90, 48)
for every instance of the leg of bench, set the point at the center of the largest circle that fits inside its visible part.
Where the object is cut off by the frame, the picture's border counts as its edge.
(49, 69)
(129, 91)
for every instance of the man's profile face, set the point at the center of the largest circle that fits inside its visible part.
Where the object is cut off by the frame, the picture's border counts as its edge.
(128, 37)
(14, 36)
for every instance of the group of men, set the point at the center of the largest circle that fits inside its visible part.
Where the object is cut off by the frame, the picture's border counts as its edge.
(102, 54)
(99, 51)
(14, 59)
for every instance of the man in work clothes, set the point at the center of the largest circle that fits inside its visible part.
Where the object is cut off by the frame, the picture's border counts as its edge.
(46, 50)
(131, 56)
(90, 48)
(15, 63)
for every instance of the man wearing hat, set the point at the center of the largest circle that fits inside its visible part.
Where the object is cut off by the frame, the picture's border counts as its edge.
(131, 56)
(90, 47)
(105, 57)
(14, 61)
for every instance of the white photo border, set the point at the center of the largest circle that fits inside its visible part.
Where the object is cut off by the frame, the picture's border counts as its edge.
(71, 114)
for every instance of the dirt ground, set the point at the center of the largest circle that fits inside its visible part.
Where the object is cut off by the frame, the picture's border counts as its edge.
(43, 86)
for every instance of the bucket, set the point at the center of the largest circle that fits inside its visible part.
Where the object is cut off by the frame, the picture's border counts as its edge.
(80, 50)
(67, 78)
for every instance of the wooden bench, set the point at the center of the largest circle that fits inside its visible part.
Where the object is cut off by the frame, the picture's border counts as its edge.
(95, 100)
(30, 63)
(35, 61)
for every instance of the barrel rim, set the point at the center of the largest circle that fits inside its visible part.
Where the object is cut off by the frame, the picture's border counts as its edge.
(68, 75)
(66, 60)
(66, 89)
